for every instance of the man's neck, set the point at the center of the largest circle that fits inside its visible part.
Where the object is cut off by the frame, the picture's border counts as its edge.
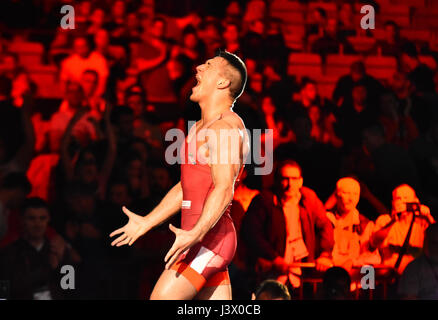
(213, 109)
(37, 243)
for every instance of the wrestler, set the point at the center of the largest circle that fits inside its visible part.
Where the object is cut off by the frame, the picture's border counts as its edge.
(196, 264)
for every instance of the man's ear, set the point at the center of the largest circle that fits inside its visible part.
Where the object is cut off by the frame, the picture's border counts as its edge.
(223, 83)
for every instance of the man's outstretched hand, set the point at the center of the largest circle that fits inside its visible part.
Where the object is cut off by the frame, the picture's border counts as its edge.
(135, 228)
(184, 240)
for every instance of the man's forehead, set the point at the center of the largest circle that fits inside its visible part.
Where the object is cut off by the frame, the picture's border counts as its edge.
(216, 61)
(404, 191)
(348, 184)
(289, 171)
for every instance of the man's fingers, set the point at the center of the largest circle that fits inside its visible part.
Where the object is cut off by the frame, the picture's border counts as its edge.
(121, 238)
(116, 232)
(127, 211)
(170, 252)
(173, 258)
(173, 229)
(132, 240)
(126, 241)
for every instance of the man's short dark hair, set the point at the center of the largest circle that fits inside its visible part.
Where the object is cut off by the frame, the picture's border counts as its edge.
(336, 284)
(34, 203)
(273, 289)
(287, 162)
(236, 63)
(16, 180)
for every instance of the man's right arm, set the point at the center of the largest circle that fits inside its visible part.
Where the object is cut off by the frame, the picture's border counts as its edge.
(168, 206)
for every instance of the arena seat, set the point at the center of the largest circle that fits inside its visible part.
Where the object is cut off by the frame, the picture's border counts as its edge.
(428, 61)
(29, 53)
(362, 44)
(381, 67)
(46, 78)
(304, 64)
(339, 65)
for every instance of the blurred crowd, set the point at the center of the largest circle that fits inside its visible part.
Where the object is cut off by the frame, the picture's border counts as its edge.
(355, 176)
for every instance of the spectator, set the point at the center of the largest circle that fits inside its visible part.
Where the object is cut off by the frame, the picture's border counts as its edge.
(352, 230)
(150, 60)
(13, 190)
(336, 284)
(271, 290)
(117, 22)
(342, 95)
(287, 225)
(354, 117)
(84, 131)
(231, 38)
(89, 81)
(253, 45)
(331, 42)
(391, 231)
(191, 46)
(97, 20)
(420, 278)
(392, 44)
(318, 22)
(85, 169)
(347, 27)
(13, 158)
(419, 74)
(32, 263)
(82, 59)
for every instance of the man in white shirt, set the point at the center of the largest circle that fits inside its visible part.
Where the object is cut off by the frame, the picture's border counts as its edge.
(82, 59)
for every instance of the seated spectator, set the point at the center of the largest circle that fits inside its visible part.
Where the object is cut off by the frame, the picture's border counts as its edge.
(342, 94)
(97, 20)
(352, 230)
(391, 236)
(420, 278)
(82, 59)
(211, 34)
(318, 21)
(419, 74)
(331, 41)
(352, 118)
(150, 60)
(392, 44)
(347, 23)
(336, 284)
(84, 130)
(286, 226)
(253, 45)
(32, 263)
(16, 146)
(89, 81)
(233, 12)
(117, 21)
(13, 190)
(231, 38)
(399, 126)
(271, 290)
(85, 167)
(281, 132)
(191, 46)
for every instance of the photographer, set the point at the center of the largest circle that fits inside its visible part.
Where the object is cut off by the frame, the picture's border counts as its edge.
(398, 238)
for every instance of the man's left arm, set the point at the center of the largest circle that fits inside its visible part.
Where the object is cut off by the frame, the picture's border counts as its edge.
(225, 164)
(325, 230)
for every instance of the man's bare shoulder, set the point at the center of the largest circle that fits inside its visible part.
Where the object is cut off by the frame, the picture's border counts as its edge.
(232, 121)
